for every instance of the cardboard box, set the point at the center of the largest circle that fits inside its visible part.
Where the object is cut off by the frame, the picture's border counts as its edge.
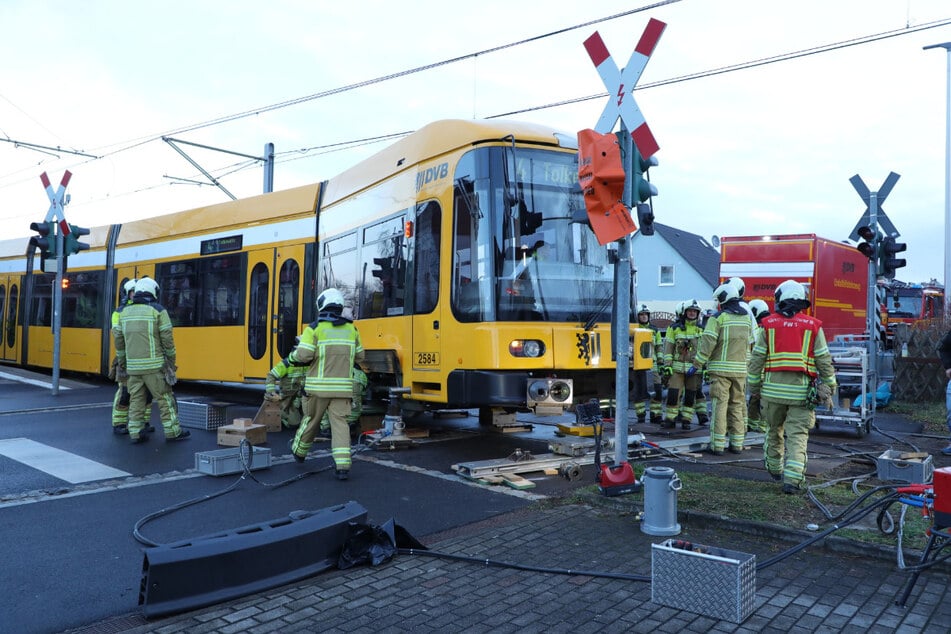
(269, 415)
(712, 581)
(242, 429)
(226, 461)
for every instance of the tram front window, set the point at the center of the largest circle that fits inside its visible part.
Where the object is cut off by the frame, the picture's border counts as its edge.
(519, 253)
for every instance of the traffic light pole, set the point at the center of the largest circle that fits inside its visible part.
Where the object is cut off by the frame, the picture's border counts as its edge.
(57, 310)
(871, 302)
(622, 311)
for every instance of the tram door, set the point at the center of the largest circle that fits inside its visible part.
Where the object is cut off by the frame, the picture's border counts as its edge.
(427, 362)
(9, 317)
(273, 307)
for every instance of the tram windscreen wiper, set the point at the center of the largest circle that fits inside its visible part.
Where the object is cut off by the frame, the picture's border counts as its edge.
(597, 311)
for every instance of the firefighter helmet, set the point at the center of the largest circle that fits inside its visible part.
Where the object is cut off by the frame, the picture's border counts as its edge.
(759, 308)
(330, 300)
(691, 304)
(642, 308)
(791, 298)
(725, 292)
(147, 285)
(738, 284)
(129, 287)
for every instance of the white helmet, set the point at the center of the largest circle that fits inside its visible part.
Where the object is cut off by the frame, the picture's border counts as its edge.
(759, 308)
(147, 285)
(738, 284)
(129, 287)
(642, 308)
(329, 299)
(791, 298)
(725, 292)
(690, 304)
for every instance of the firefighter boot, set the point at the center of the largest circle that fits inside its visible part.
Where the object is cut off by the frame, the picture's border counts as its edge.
(702, 419)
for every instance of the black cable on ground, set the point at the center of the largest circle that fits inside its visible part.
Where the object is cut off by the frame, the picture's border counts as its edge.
(244, 447)
(856, 516)
(491, 563)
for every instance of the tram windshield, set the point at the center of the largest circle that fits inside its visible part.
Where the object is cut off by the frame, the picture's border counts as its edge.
(519, 250)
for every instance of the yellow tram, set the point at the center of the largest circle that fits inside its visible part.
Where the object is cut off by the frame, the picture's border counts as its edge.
(462, 250)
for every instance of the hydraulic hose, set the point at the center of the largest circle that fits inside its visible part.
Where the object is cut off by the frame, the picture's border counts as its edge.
(491, 563)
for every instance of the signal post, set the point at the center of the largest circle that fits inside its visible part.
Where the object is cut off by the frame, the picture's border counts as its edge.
(56, 244)
(609, 205)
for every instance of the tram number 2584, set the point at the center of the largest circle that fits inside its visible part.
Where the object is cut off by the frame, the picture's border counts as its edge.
(426, 359)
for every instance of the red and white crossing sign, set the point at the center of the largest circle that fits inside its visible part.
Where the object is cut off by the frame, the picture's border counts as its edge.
(57, 197)
(621, 83)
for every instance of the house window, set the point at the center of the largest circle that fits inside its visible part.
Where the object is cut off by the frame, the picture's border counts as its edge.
(666, 275)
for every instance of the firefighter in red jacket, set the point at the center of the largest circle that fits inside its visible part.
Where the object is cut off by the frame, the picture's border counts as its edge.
(789, 355)
(329, 347)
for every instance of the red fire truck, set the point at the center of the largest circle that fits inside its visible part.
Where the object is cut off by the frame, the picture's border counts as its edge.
(910, 303)
(835, 275)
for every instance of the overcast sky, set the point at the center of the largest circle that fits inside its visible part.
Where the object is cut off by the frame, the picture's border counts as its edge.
(764, 150)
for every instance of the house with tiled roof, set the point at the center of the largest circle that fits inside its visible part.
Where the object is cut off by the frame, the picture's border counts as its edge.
(673, 265)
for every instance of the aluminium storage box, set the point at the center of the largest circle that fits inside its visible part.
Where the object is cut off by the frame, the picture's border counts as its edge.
(207, 415)
(892, 467)
(712, 581)
(226, 461)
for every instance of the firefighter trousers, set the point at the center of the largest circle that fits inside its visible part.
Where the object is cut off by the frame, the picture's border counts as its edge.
(787, 438)
(314, 408)
(141, 386)
(729, 411)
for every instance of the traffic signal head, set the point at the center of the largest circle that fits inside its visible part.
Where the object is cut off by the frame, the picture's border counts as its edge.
(888, 263)
(71, 243)
(45, 241)
(642, 187)
(869, 248)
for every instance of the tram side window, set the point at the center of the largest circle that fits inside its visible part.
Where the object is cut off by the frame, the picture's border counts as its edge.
(81, 305)
(41, 311)
(179, 294)
(426, 258)
(383, 271)
(222, 303)
(338, 268)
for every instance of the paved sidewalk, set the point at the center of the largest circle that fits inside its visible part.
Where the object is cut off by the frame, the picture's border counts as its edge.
(816, 590)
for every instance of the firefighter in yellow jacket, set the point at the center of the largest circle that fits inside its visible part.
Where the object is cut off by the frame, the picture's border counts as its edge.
(146, 351)
(120, 403)
(724, 350)
(754, 417)
(680, 348)
(329, 346)
(790, 355)
(284, 384)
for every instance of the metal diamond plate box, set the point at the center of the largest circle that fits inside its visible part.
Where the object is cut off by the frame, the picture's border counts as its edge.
(712, 581)
(202, 415)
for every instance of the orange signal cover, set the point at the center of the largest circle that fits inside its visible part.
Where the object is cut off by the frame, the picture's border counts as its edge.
(601, 176)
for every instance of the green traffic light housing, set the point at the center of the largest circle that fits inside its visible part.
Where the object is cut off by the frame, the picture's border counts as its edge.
(888, 263)
(71, 243)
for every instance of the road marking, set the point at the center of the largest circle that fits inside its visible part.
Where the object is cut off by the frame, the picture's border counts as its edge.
(23, 379)
(56, 462)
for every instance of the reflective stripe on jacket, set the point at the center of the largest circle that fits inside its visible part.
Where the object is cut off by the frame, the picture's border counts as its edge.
(144, 338)
(330, 352)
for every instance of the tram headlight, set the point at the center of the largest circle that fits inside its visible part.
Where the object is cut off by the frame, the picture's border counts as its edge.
(532, 348)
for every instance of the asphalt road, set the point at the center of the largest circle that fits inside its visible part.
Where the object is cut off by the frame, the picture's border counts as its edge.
(71, 557)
